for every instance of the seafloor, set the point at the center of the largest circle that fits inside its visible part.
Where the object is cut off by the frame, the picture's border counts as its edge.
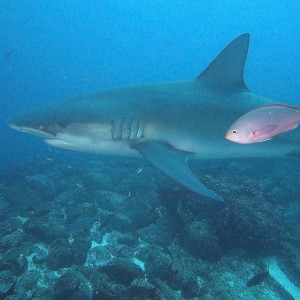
(104, 228)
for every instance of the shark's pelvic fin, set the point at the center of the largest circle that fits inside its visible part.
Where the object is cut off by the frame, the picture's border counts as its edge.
(226, 71)
(173, 163)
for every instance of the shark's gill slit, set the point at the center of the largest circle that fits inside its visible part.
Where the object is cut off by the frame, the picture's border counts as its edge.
(128, 129)
(134, 129)
(116, 130)
(141, 129)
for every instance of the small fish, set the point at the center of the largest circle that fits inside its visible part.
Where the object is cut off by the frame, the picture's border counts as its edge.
(257, 278)
(69, 292)
(139, 171)
(263, 123)
(107, 220)
(170, 193)
(82, 224)
(40, 213)
(8, 54)
(32, 295)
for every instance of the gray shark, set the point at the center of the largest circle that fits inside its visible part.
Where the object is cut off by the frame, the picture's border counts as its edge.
(166, 123)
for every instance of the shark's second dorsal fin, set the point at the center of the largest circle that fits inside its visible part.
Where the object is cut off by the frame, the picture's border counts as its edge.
(226, 71)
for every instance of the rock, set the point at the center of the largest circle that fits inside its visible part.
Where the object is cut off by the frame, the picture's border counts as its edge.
(11, 240)
(160, 233)
(128, 239)
(11, 225)
(192, 289)
(140, 289)
(82, 225)
(29, 280)
(81, 247)
(98, 256)
(95, 177)
(120, 222)
(43, 183)
(158, 264)
(40, 255)
(290, 261)
(109, 201)
(46, 229)
(165, 292)
(284, 196)
(255, 225)
(140, 213)
(103, 288)
(292, 217)
(61, 254)
(185, 267)
(201, 241)
(72, 286)
(4, 206)
(14, 261)
(122, 271)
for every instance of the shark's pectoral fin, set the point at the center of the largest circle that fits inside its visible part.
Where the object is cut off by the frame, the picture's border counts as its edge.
(173, 163)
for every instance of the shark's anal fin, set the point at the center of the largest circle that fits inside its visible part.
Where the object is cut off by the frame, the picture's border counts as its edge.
(173, 163)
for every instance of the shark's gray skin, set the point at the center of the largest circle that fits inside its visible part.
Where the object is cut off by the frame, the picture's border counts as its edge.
(166, 123)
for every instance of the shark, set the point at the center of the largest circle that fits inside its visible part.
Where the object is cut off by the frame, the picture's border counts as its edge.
(165, 123)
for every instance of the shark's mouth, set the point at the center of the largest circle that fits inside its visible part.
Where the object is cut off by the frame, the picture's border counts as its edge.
(32, 131)
(56, 142)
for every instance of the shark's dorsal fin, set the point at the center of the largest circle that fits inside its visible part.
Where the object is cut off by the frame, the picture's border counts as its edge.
(226, 71)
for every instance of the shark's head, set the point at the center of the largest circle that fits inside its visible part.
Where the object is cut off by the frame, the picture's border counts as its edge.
(84, 132)
(37, 123)
(61, 130)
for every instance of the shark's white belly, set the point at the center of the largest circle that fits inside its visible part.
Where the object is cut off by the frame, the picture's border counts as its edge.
(103, 139)
(99, 139)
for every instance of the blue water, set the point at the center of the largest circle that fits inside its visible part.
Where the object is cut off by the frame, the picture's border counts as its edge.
(121, 217)
(66, 48)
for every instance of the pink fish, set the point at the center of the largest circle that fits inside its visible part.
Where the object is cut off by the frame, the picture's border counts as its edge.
(263, 123)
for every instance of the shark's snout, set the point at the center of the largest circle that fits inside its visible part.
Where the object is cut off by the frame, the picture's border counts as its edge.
(30, 130)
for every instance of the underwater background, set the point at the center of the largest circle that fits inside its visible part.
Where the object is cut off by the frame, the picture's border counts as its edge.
(76, 226)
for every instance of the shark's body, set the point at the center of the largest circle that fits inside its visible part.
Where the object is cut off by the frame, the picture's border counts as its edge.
(166, 123)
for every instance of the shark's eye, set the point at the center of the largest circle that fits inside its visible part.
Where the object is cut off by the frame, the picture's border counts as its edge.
(234, 131)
